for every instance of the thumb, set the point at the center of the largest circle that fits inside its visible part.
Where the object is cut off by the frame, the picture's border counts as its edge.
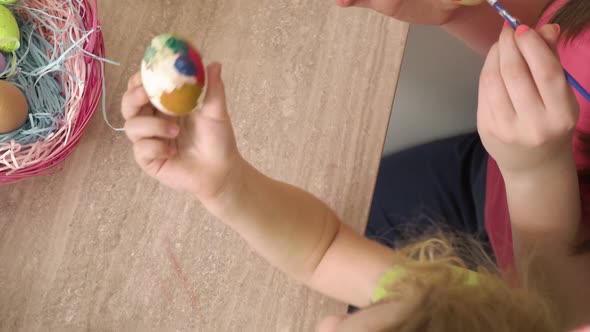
(214, 105)
(550, 33)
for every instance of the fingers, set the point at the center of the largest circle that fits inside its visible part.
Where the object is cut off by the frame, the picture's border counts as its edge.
(545, 68)
(214, 105)
(134, 101)
(551, 33)
(149, 149)
(151, 135)
(492, 89)
(517, 77)
(134, 81)
(141, 127)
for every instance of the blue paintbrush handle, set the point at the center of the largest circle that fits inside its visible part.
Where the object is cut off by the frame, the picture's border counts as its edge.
(572, 81)
(513, 21)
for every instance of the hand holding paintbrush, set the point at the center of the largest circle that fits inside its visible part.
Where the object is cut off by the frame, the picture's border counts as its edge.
(514, 23)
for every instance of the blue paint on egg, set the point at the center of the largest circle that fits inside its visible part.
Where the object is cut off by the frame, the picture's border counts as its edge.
(185, 65)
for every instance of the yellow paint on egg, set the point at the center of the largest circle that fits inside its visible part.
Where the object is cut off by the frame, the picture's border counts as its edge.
(182, 100)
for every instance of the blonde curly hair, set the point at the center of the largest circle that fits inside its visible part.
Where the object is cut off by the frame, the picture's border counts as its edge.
(446, 301)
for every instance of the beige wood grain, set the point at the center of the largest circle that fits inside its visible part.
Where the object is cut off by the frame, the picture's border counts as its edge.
(101, 247)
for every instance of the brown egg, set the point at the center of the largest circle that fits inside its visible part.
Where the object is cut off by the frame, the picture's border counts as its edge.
(13, 108)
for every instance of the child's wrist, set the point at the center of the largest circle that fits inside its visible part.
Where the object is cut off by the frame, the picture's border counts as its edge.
(230, 192)
(560, 166)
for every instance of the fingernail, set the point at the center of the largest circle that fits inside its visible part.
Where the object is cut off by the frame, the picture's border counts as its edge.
(522, 29)
(173, 130)
(506, 24)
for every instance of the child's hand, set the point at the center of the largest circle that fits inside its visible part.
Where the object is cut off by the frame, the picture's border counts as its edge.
(527, 111)
(414, 11)
(196, 153)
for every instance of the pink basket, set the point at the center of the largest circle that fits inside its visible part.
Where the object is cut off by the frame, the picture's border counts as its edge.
(20, 162)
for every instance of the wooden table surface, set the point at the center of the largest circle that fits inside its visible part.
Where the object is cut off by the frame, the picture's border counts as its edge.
(102, 247)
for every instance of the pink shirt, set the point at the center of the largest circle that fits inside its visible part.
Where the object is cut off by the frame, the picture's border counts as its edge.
(575, 57)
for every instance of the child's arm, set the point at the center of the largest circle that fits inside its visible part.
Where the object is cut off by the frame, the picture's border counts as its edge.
(526, 116)
(544, 208)
(472, 21)
(299, 234)
(289, 227)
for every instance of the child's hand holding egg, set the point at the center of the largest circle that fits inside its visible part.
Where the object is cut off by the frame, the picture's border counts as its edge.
(173, 75)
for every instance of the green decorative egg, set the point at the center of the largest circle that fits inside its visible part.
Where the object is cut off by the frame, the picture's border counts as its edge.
(9, 32)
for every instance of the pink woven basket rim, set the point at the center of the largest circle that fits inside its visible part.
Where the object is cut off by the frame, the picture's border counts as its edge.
(91, 98)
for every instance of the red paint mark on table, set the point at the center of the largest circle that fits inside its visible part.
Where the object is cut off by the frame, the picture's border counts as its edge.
(165, 290)
(194, 300)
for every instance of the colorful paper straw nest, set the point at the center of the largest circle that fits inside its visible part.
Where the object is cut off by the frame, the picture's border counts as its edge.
(59, 67)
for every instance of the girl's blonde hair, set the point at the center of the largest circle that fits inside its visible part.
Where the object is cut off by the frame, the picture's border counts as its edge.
(448, 303)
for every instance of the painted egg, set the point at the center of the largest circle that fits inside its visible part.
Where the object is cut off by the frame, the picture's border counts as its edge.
(13, 108)
(9, 32)
(173, 75)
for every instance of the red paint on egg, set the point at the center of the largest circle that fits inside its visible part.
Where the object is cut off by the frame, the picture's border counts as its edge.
(196, 57)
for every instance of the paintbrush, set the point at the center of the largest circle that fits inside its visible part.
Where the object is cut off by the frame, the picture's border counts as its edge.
(514, 23)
